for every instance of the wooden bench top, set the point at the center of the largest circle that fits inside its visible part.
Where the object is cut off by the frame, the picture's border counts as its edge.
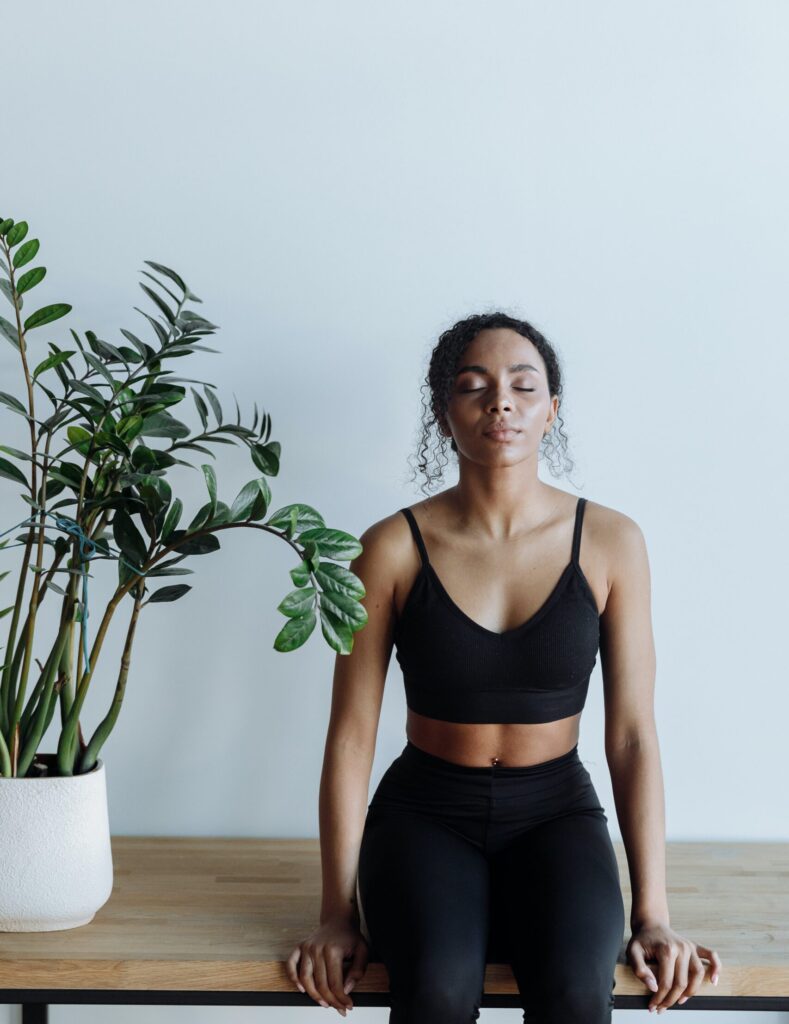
(222, 914)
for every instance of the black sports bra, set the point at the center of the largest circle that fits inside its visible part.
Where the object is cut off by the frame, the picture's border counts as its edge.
(456, 670)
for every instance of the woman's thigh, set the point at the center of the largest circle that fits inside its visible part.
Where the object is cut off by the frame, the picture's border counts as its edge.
(424, 892)
(557, 890)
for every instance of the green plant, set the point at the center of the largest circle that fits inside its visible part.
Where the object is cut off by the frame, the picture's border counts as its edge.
(117, 485)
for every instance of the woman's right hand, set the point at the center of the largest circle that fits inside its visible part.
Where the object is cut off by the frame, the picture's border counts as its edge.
(316, 964)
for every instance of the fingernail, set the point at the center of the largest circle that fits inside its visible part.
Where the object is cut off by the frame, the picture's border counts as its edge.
(652, 984)
(715, 979)
(301, 987)
(684, 999)
(322, 1002)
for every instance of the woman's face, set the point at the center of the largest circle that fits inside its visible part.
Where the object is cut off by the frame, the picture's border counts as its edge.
(500, 380)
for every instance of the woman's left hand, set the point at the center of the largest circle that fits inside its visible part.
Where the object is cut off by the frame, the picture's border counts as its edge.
(680, 966)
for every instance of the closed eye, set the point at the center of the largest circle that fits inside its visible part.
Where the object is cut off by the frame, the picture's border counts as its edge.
(467, 391)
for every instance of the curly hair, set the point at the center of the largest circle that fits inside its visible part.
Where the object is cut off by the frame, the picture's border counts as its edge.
(439, 381)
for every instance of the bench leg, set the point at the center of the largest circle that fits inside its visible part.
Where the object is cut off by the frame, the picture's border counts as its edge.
(35, 1013)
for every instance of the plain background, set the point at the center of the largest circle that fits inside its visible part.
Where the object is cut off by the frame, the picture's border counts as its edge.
(340, 182)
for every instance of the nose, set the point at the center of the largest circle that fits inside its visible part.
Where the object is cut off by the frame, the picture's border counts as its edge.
(499, 401)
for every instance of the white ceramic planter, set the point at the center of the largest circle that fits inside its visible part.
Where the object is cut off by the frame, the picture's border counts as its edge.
(55, 853)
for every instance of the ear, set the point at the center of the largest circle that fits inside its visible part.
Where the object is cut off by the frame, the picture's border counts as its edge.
(552, 415)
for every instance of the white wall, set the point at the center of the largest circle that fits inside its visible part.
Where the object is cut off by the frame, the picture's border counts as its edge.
(341, 182)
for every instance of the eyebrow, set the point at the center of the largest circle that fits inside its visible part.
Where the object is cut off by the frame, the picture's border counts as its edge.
(476, 368)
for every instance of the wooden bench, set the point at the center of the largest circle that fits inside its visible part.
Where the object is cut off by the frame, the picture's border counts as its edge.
(210, 922)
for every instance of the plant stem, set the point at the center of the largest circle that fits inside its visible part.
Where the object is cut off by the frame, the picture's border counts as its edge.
(65, 750)
(33, 493)
(39, 722)
(105, 727)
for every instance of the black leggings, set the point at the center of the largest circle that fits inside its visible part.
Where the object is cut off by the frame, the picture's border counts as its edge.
(460, 866)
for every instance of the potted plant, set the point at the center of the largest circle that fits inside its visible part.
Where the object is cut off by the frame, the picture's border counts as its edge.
(94, 473)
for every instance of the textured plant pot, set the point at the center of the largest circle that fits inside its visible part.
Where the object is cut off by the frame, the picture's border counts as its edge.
(55, 853)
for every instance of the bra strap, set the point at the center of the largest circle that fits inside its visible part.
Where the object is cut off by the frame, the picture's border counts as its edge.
(579, 518)
(417, 535)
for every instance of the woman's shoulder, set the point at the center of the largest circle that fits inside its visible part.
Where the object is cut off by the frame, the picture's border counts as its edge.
(615, 547)
(388, 539)
(611, 525)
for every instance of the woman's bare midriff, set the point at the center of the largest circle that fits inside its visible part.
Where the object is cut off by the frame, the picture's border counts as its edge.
(481, 745)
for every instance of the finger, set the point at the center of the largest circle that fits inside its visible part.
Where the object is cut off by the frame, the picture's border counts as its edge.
(715, 962)
(334, 972)
(308, 979)
(639, 966)
(290, 968)
(666, 957)
(358, 966)
(696, 971)
(680, 980)
(322, 980)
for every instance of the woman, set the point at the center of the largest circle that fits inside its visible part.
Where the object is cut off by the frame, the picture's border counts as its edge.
(485, 839)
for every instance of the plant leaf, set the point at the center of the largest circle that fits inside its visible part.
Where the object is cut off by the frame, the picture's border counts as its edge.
(12, 403)
(337, 633)
(252, 501)
(202, 545)
(201, 408)
(169, 593)
(172, 520)
(99, 367)
(52, 360)
(128, 538)
(9, 292)
(295, 632)
(12, 472)
(163, 424)
(335, 577)
(160, 331)
(168, 313)
(15, 234)
(87, 389)
(9, 331)
(16, 453)
(335, 544)
(210, 479)
(266, 457)
(30, 279)
(169, 273)
(297, 602)
(145, 350)
(79, 437)
(214, 404)
(46, 315)
(129, 427)
(164, 287)
(25, 253)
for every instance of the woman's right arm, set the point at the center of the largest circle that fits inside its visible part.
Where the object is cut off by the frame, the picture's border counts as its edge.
(316, 964)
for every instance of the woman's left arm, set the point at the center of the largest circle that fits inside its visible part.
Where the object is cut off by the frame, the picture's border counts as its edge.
(627, 657)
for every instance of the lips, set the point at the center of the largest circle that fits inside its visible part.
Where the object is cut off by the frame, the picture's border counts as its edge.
(502, 433)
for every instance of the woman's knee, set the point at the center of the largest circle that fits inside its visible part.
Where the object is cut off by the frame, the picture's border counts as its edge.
(579, 998)
(444, 985)
(427, 1002)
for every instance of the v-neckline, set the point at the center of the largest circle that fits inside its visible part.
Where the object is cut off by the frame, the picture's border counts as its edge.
(532, 620)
